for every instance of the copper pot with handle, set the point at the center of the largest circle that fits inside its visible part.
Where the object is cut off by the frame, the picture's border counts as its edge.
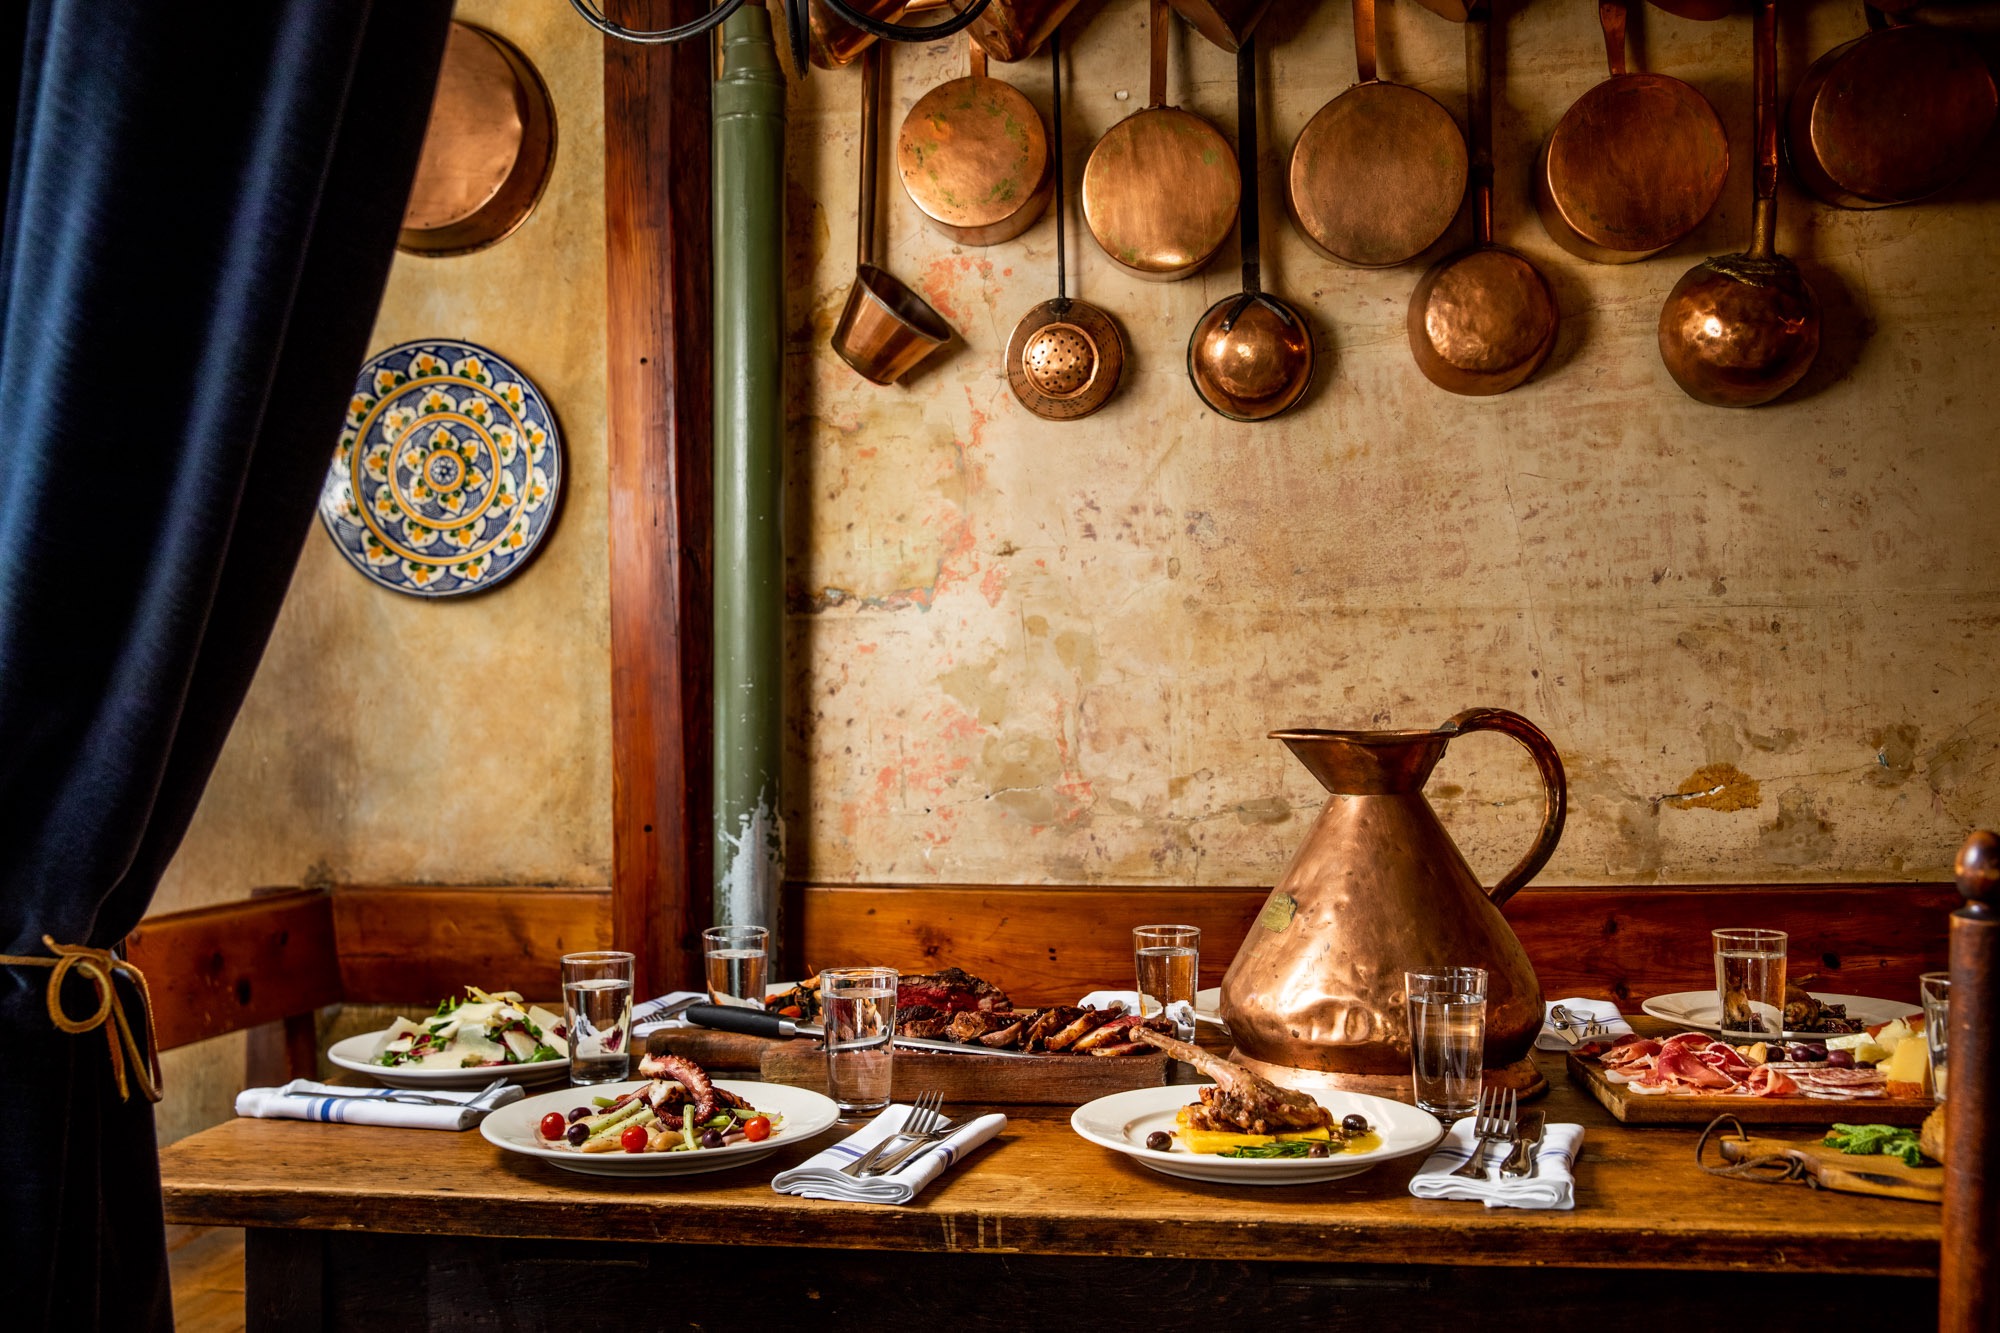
(833, 41)
(974, 158)
(1377, 888)
(1013, 30)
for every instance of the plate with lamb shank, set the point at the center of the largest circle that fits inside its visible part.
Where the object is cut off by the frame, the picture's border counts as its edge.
(1245, 1130)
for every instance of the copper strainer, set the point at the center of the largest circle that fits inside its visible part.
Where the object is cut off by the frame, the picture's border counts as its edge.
(1065, 357)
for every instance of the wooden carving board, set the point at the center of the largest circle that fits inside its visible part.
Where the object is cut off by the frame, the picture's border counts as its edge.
(1852, 1173)
(1054, 1080)
(1636, 1108)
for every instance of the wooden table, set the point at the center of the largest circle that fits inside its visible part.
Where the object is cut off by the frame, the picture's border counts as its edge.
(358, 1227)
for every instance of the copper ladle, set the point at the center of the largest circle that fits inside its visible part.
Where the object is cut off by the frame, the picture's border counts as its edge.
(1251, 355)
(1483, 320)
(1739, 330)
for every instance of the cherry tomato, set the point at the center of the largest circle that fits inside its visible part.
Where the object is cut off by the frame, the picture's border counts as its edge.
(633, 1139)
(554, 1125)
(757, 1128)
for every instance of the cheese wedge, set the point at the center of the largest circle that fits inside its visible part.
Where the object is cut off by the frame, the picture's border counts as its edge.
(1908, 1067)
(1866, 1049)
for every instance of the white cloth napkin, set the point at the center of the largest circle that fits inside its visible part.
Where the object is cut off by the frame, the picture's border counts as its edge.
(1604, 1011)
(1553, 1185)
(819, 1176)
(303, 1099)
(1180, 1010)
(643, 1017)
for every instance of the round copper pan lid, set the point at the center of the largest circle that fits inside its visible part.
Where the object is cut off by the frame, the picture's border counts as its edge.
(1636, 163)
(1482, 321)
(973, 155)
(1377, 175)
(487, 152)
(1160, 192)
(1064, 360)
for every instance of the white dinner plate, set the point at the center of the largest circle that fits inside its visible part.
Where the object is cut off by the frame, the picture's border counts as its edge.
(1208, 1007)
(353, 1053)
(1700, 1009)
(517, 1128)
(1122, 1121)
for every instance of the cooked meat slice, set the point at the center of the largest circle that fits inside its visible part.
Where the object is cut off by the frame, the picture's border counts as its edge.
(923, 1027)
(1050, 1020)
(951, 990)
(1005, 1038)
(972, 1024)
(1109, 1033)
(1121, 1048)
(1073, 1032)
(1240, 1099)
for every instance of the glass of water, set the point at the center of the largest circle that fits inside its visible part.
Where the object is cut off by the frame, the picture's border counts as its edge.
(1750, 983)
(1934, 988)
(1447, 1011)
(738, 959)
(597, 1006)
(1168, 960)
(860, 1022)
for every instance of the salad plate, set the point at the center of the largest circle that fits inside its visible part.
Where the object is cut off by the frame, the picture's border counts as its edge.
(1122, 1121)
(516, 1128)
(1700, 1009)
(355, 1053)
(1208, 1006)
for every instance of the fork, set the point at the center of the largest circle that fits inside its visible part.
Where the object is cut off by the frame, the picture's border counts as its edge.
(1494, 1121)
(942, 1129)
(407, 1096)
(1574, 1027)
(922, 1118)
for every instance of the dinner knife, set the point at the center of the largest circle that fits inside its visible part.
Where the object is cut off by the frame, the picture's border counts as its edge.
(755, 1023)
(1521, 1161)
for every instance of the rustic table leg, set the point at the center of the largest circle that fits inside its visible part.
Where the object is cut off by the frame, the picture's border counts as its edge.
(284, 1281)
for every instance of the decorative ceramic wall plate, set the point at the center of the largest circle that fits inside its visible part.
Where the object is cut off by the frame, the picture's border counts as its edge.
(447, 473)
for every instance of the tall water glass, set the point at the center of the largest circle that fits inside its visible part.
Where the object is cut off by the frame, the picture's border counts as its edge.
(1935, 990)
(738, 960)
(1447, 1011)
(1168, 961)
(860, 1018)
(597, 1007)
(1750, 983)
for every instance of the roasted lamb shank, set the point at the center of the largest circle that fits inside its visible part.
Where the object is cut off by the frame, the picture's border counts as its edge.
(1240, 1101)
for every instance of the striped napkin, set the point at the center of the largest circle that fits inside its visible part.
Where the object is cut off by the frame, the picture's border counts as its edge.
(303, 1099)
(1603, 1011)
(1553, 1185)
(646, 1017)
(819, 1176)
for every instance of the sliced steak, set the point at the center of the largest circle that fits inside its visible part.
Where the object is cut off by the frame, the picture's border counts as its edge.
(1050, 1020)
(1109, 1033)
(1087, 1021)
(952, 990)
(1121, 1048)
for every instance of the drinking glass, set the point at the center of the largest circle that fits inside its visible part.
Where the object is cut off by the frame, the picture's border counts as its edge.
(738, 959)
(597, 1005)
(860, 1019)
(1935, 989)
(1168, 959)
(1447, 1011)
(1750, 983)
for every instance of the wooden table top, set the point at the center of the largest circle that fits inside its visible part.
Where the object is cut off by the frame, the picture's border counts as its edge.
(1041, 1189)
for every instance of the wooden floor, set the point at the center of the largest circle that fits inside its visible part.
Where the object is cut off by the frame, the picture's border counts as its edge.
(206, 1264)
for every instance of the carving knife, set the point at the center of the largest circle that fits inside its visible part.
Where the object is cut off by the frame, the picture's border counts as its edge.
(756, 1023)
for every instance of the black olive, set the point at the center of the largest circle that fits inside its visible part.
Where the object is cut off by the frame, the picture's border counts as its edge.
(1159, 1140)
(1319, 1148)
(711, 1138)
(578, 1114)
(1354, 1124)
(577, 1135)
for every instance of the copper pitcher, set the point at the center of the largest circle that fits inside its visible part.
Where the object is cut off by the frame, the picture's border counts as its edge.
(1378, 888)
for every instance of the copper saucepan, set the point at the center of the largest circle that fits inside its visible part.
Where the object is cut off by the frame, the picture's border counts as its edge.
(1012, 30)
(885, 329)
(1379, 172)
(1483, 320)
(833, 41)
(1739, 330)
(1634, 165)
(1889, 117)
(1160, 189)
(974, 158)
(1227, 23)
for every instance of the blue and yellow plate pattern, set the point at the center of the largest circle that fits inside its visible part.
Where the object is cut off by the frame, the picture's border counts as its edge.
(447, 473)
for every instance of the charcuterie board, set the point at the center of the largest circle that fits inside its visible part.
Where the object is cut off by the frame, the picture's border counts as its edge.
(1833, 1169)
(1634, 1108)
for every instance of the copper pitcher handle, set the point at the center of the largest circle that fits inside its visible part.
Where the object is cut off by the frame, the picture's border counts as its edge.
(1555, 790)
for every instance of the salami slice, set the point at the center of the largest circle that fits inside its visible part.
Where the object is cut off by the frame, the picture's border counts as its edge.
(1844, 1094)
(1846, 1078)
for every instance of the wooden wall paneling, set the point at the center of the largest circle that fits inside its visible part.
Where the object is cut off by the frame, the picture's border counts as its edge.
(658, 249)
(220, 969)
(402, 944)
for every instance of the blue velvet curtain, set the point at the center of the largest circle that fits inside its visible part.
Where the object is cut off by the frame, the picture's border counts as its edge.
(201, 204)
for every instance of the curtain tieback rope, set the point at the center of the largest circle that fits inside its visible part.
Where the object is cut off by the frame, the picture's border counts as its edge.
(99, 966)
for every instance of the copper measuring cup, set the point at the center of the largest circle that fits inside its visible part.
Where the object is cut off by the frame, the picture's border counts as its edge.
(1634, 165)
(1227, 23)
(1483, 320)
(1379, 172)
(885, 329)
(1739, 330)
(974, 158)
(1160, 188)
(1251, 356)
(1889, 117)
(1011, 30)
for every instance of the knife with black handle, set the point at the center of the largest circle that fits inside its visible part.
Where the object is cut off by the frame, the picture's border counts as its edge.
(756, 1023)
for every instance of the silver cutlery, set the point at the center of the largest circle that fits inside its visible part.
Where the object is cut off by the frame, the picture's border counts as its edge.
(1493, 1122)
(1527, 1141)
(938, 1133)
(922, 1119)
(1574, 1027)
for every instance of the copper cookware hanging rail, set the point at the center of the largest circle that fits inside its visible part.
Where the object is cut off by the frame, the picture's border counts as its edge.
(1634, 165)
(1890, 117)
(1065, 357)
(1160, 188)
(974, 158)
(885, 329)
(1739, 330)
(1483, 320)
(1016, 29)
(1378, 174)
(1227, 23)
(1251, 356)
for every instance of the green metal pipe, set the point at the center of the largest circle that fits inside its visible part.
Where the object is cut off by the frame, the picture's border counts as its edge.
(749, 169)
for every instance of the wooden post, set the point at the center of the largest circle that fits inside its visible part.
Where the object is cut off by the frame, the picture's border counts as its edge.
(1969, 1274)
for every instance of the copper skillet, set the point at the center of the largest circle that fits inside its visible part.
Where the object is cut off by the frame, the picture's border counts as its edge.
(1889, 117)
(1160, 188)
(1634, 165)
(1378, 174)
(974, 158)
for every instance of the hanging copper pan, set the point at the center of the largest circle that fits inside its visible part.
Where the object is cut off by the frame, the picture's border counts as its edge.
(1160, 189)
(1634, 165)
(487, 151)
(1482, 320)
(1378, 174)
(974, 157)
(834, 41)
(1227, 23)
(1890, 117)
(1010, 30)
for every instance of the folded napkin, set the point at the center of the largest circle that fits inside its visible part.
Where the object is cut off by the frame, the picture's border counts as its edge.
(1180, 1010)
(1604, 1011)
(819, 1177)
(303, 1099)
(646, 1018)
(1552, 1186)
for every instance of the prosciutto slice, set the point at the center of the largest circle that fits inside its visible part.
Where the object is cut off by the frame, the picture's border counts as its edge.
(1696, 1064)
